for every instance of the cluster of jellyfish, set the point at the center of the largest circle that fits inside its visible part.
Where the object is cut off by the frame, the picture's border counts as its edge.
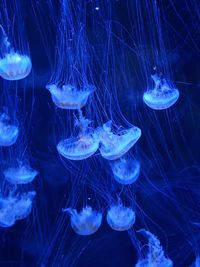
(90, 136)
(15, 197)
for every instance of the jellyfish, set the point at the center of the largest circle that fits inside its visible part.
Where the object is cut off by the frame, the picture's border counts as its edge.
(15, 207)
(155, 256)
(126, 171)
(163, 96)
(85, 222)
(69, 97)
(196, 263)
(7, 216)
(120, 218)
(8, 132)
(81, 147)
(114, 146)
(23, 174)
(22, 206)
(13, 65)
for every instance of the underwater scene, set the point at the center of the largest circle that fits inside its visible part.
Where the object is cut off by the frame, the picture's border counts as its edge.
(99, 133)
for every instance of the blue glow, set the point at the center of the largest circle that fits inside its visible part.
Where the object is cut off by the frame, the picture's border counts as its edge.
(68, 97)
(85, 222)
(120, 218)
(114, 146)
(126, 171)
(8, 132)
(21, 175)
(162, 96)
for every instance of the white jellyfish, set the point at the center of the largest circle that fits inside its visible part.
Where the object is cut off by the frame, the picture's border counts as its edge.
(163, 96)
(114, 146)
(155, 256)
(22, 205)
(23, 174)
(85, 222)
(120, 218)
(8, 133)
(69, 97)
(15, 207)
(7, 216)
(126, 171)
(14, 66)
(82, 146)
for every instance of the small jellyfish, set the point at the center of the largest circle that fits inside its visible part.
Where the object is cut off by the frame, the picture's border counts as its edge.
(114, 146)
(69, 97)
(85, 222)
(7, 216)
(8, 133)
(196, 263)
(23, 205)
(14, 66)
(126, 171)
(81, 147)
(21, 175)
(155, 255)
(163, 96)
(120, 218)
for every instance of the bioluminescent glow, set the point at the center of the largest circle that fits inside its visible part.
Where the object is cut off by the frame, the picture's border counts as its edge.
(8, 132)
(126, 171)
(120, 218)
(85, 222)
(69, 97)
(163, 96)
(114, 146)
(20, 175)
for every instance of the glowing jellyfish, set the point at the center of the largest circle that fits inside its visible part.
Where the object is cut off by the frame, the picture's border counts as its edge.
(120, 218)
(21, 175)
(126, 171)
(14, 66)
(114, 146)
(69, 97)
(81, 147)
(85, 222)
(23, 205)
(196, 263)
(155, 256)
(8, 133)
(163, 96)
(7, 216)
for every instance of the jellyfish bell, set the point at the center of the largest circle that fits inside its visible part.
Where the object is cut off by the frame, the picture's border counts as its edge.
(7, 216)
(78, 148)
(120, 218)
(81, 147)
(114, 146)
(163, 96)
(69, 97)
(85, 222)
(14, 66)
(23, 205)
(23, 174)
(126, 171)
(8, 132)
(155, 254)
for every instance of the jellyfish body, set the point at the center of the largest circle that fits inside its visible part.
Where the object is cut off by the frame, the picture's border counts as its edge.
(78, 148)
(14, 208)
(120, 218)
(8, 133)
(126, 171)
(69, 97)
(114, 146)
(155, 256)
(162, 96)
(14, 66)
(20, 175)
(23, 205)
(7, 216)
(85, 222)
